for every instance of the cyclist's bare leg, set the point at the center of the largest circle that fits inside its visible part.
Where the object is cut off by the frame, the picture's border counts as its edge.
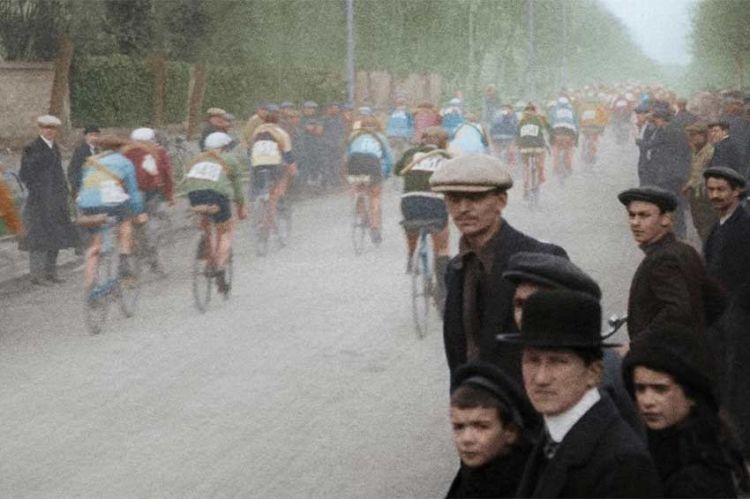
(375, 191)
(125, 237)
(540, 167)
(208, 244)
(92, 259)
(411, 242)
(568, 153)
(441, 242)
(525, 158)
(225, 235)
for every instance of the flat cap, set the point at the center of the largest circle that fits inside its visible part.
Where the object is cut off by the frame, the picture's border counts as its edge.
(650, 194)
(471, 173)
(723, 124)
(215, 111)
(48, 121)
(550, 270)
(697, 128)
(731, 175)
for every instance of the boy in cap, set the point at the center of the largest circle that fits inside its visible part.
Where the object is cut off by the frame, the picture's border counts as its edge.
(585, 448)
(46, 213)
(479, 300)
(492, 422)
(727, 249)
(669, 373)
(670, 284)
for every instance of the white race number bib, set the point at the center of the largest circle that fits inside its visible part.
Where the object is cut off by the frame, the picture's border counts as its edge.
(206, 170)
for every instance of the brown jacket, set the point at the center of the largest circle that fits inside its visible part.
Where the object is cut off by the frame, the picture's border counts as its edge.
(671, 286)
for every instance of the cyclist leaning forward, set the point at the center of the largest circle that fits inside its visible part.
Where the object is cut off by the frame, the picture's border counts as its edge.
(270, 149)
(368, 154)
(564, 135)
(532, 143)
(213, 179)
(418, 202)
(109, 186)
(594, 119)
(154, 173)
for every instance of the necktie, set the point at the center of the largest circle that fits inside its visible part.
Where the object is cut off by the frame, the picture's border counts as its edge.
(550, 447)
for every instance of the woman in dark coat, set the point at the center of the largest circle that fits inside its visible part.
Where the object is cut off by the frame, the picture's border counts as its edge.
(46, 215)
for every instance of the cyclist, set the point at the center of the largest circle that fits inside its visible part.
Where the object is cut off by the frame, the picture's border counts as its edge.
(564, 135)
(154, 174)
(503, 130)
(271, 151)
(594, 119)
(453, 116)
(425, 116)
(418, 202)
(400, 127)
(213, 179)
(109, 186)
(368, 154)
(470, 137)
(532, 143)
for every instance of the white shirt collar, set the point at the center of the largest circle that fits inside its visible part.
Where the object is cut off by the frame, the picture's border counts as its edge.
(559, 425)
(48, 142)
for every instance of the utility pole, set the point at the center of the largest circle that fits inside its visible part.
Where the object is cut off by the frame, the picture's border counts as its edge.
(350, 52)
(530, 54)
(564, 46)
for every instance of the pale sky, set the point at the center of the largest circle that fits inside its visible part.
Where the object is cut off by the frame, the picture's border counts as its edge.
(660, 27)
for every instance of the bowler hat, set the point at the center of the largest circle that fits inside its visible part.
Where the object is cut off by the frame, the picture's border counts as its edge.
(676, 350)
(731, 175)
(562, 319)
(471, 173)
(664, 199)
(550, 270)
(491, 378)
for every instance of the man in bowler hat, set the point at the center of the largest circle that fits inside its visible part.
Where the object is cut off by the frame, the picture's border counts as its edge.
(585, 449)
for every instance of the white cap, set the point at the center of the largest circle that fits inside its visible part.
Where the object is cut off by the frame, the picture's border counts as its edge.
(455, 101)
(143, 134)
(48, 120)
(217, 140)
(563, 100)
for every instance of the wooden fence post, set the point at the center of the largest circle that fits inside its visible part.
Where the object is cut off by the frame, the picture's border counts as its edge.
(59, 102)
(195, 98)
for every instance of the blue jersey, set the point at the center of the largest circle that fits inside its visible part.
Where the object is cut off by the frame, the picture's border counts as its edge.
(504, 125)
(400, 124)
(563, 116)
(469, 139)
(452, 119)
(109, 180)
(374, 144)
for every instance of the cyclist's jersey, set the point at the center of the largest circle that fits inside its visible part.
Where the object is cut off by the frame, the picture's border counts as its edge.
(152, 167)
(563, 117)
(470, 138)
(530, 132)
(426, 159)
(270, 146)
(109, 180)
(400, 124)
(593, 117)
(372, 144)
(452, 119)
(216, 172)
(504, 126)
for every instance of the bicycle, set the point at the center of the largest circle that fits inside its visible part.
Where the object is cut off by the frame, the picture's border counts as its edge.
(424, 290)
(108, 284)
(204, 270)
(283, 216)
(156, 236)
(361, 223)
(533, 194)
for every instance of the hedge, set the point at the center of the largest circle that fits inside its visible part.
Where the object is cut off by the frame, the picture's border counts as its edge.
(116, 91)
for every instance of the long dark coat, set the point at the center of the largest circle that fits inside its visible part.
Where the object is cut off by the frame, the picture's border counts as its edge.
(75, 173)
(46, 214)
(498, 478)
(642, 143)
(727, 251)
(671, 286)
(668, 158)
(599, 457)
(495, 307)
(726, 153)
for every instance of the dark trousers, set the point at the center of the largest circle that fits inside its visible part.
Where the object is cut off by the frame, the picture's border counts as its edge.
(43, 264)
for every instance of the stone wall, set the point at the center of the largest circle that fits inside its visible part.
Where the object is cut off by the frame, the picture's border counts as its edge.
(25, 88)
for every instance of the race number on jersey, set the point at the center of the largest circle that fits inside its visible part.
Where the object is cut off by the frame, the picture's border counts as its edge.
(205, 170)
(564, 114)
(424, 162)
(589, 114)
(111, 192)
(265, 152)
(530, 130)
(149, 165)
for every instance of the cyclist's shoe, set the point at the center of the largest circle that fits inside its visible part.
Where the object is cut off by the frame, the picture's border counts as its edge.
(125, 269)
(221, 282)
(375, 236)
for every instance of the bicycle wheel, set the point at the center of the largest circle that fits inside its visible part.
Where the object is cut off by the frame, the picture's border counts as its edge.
(202, 276)
(129, 287)
(283, 221)
(229, 274)
(261, 231)
(360, 225)
(421, 285)
(96, 299)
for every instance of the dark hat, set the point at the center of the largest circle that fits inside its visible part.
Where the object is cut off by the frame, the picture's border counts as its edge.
(697, 127)
(642, 108)
(677, 351)
(731, 175)
(262, 104)
(656, 195)
(723, 124)
(550, 270)
(661, 110)
(491, 378)
(272, 108)
(560, 318)
(91, 129)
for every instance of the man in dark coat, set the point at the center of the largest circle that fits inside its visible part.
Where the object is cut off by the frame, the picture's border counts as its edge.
(479, 300)
(726, 152)
(585, 449)
(683, 118)
(645, 131)
(739, 129)
(727, 249)
(671, 375)
(668, 162)
(46, 215)
(670, 284)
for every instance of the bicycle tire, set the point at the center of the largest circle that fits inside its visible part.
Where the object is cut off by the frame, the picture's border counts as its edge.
(229, 274)
(202, 277)
(96, 300)
(283, 222)
(421, 285)
(128, 288)
(360, 225)
(534, 183)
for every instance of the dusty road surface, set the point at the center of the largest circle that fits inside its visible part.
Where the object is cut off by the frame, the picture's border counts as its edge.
(309, 382)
